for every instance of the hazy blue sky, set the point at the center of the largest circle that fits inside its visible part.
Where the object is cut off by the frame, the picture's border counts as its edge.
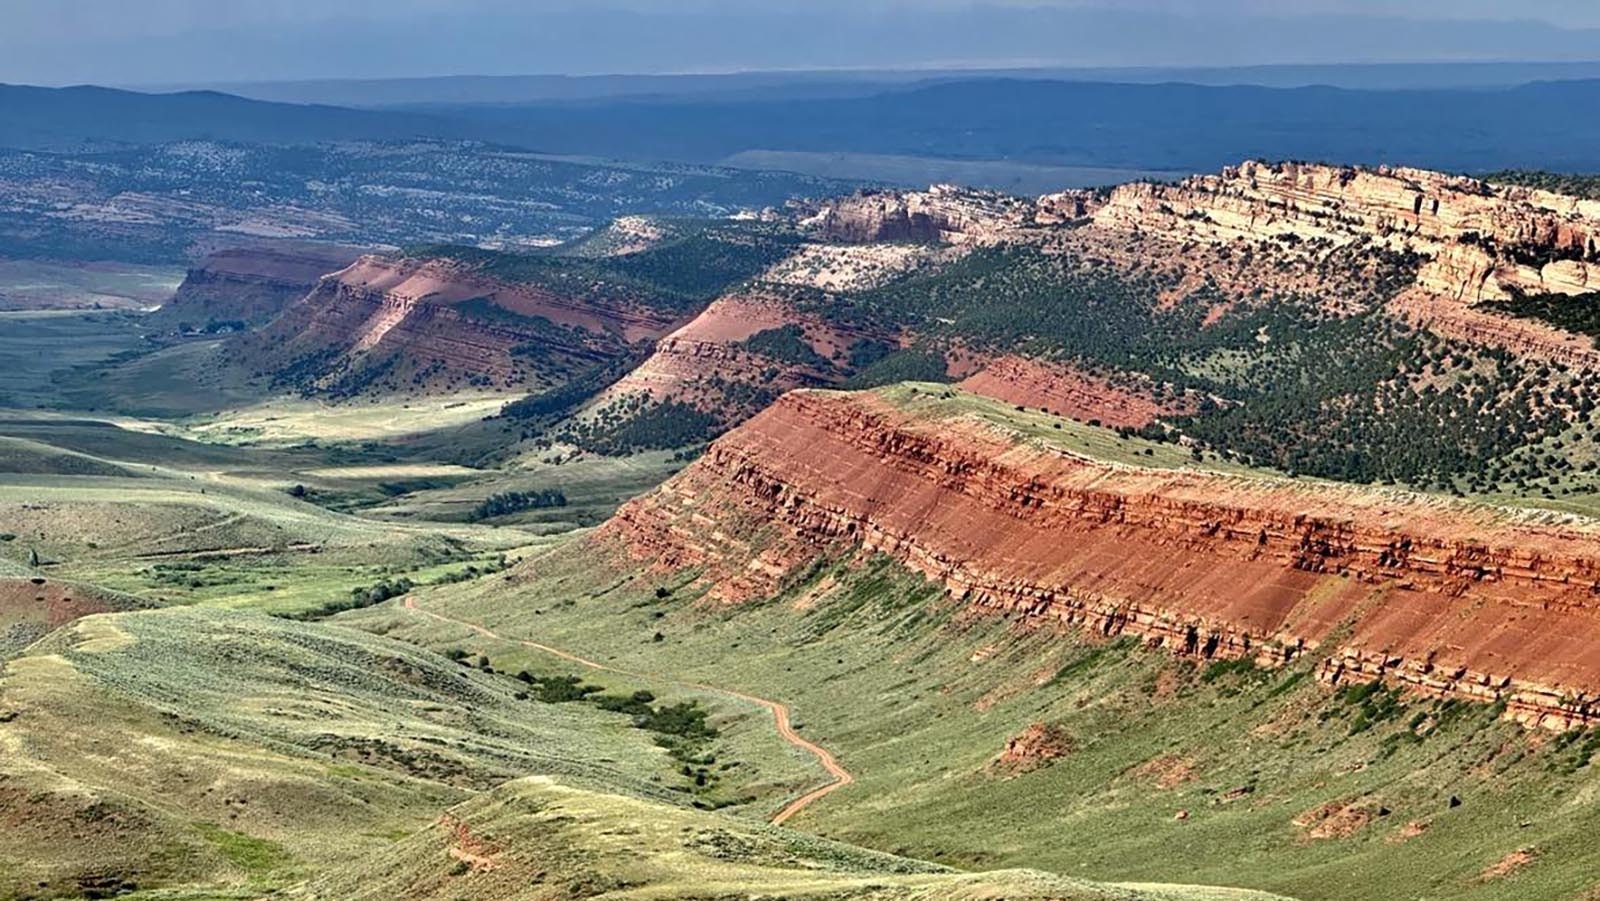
(142, 41)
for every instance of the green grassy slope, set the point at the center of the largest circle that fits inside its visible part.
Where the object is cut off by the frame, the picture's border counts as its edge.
(36, 346)
(544, 838)
(179, 521)
(1224, 775)
(192, 746)
(193, 753)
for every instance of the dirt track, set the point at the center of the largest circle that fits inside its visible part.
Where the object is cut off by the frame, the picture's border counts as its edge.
(780, 712)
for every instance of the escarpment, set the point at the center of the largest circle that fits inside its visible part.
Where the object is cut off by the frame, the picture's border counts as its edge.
(1446, 597)
(1486, 241)
(1475, 241)
(425, 324)
(1435, 246)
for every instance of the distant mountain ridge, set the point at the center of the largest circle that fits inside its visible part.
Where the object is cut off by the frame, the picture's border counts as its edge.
(1166, 126)
(519, 89)
(1148, 126)
(86, 117)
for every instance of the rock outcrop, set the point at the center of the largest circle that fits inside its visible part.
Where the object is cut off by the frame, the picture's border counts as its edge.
(426, 324)
(1441, 596)
(1035, 747)
(1484, 241)
(941, 214)
(1288, 229)
(1476, 241)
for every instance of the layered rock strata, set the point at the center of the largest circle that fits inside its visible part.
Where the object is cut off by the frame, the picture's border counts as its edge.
(1484, 241)
(446, 325)
(941, 214)
(1444, 597)
(1476, 241)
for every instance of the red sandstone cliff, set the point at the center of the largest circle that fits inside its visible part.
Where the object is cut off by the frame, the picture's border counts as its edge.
(1445, 597)
(436, 324)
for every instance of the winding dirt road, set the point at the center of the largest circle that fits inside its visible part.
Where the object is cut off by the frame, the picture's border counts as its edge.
(780, 712)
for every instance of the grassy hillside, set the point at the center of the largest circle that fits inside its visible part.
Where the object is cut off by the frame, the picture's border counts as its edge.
(188, 746)
(173, 520)
(1226, 774)
(37, 346)
(543, 837)
(194, 753)
(39, 285)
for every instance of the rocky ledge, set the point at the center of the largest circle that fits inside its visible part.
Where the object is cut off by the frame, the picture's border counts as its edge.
(1446, 597)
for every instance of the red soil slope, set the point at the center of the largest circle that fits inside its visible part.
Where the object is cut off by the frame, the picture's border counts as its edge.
(1068, 391)
(1445, 597)
(30, 608)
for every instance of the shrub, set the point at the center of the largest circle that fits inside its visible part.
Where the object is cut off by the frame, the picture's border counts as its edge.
(787, 344)
(509, 502)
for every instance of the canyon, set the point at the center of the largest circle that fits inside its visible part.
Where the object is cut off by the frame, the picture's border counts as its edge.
(1444, 597)
(479, 520)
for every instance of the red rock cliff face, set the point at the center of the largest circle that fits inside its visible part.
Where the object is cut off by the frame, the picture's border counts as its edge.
(1444, 597)
(440, 324)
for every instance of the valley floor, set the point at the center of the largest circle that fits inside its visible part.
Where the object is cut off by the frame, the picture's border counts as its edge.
(1231, 775)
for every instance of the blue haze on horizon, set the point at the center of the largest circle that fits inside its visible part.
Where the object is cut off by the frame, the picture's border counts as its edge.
(219, 41)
